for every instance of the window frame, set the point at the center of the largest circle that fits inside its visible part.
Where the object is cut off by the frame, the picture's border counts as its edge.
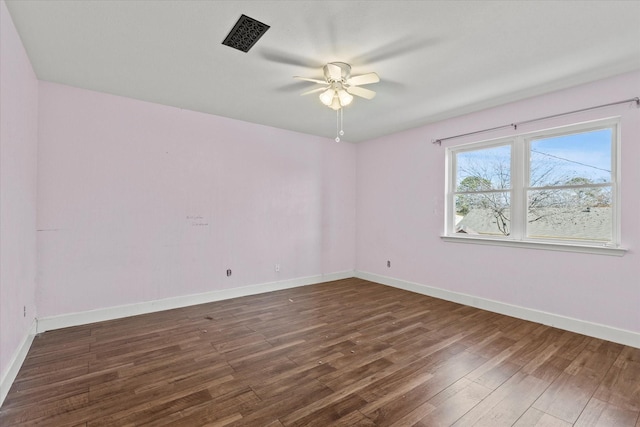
(520, 186)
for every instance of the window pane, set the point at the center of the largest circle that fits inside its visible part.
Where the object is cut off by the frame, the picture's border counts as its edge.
(483, 213)
(575, 159)
(485, 169)
(576, 214)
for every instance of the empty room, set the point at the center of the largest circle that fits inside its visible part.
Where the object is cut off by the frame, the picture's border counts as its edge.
(319, 213)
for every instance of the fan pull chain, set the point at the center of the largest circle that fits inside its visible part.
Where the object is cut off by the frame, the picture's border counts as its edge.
(339, 122)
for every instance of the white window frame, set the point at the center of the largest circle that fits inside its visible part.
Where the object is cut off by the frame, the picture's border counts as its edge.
(520, 151)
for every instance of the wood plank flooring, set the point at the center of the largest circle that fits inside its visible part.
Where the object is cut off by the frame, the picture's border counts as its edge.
(344, 353)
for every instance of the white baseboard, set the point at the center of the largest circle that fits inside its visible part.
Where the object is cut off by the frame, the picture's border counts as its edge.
(16, 362)
(110, 313)
(595, 330)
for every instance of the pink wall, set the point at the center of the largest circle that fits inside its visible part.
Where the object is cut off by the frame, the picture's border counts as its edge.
(18, 148)
(139, 202)
(400, 217)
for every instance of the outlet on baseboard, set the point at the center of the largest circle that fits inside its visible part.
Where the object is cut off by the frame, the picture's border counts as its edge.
(228, 272)
(389, 264)
(24, 311)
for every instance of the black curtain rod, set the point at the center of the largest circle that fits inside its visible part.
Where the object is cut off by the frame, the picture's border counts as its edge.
(515, 125)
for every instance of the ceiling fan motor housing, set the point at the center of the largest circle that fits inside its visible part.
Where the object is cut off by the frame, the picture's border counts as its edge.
(345, 72)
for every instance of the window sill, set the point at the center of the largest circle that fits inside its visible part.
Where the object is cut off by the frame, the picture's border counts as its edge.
(563, 247)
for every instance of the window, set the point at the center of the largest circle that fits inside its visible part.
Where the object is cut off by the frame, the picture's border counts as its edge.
(554, 188)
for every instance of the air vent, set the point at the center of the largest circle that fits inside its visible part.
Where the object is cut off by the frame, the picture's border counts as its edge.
(245, 33)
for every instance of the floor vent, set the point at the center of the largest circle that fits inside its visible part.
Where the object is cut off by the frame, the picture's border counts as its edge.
(245, 33)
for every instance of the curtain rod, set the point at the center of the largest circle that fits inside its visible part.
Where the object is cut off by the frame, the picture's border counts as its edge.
(515, 125)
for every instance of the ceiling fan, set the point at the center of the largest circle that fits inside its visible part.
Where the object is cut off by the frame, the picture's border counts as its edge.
(339, 85)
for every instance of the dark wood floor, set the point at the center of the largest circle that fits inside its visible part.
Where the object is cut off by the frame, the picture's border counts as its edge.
(345, 353)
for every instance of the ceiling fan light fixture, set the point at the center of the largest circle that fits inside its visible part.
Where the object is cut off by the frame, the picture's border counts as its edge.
(327, 96)
(345, 97)
(335, 105)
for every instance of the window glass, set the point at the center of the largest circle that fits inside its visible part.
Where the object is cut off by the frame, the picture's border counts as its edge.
(577, 206)
(482, 207)
(484, 213)
(575, 214)
(578, 158)
(484, 169)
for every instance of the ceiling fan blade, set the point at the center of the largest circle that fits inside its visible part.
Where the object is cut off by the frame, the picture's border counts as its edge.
(322, 82)
(393, 49)
(288, 58)
(309, 92)
(361, 92)
(363, 79)
(334, 71)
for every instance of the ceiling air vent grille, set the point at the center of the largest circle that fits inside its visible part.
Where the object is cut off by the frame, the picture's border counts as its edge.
(245, 33)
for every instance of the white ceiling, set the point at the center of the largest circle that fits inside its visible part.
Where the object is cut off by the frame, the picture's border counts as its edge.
(436, 59)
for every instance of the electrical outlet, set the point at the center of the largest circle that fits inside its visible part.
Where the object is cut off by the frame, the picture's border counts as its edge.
(228, 272)
(277, 268)
(389, 264)
(24, 311)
